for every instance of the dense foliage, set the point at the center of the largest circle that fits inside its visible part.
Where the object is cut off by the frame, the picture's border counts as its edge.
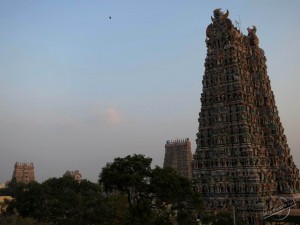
(64, 201)
(129, 192)
(155, 196)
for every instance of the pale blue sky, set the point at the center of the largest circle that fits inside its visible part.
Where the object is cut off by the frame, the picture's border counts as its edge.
(78, 89)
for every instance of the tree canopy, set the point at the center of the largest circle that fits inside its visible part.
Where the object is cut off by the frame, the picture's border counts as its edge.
(64, 201)
(129, 192)
(161, 193)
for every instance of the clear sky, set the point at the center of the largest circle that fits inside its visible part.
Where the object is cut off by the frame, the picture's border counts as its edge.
(78, 89)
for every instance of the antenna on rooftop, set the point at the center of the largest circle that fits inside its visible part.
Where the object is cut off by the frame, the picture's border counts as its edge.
(238, 23)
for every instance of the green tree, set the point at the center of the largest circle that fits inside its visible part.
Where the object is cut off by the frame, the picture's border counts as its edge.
(64, 201)
(12, 188)
(175, 191)
(61, 203)
(27, 199)
(97, 209)
(169, 186)
(154, 196)
(116, 209)
(126, 175)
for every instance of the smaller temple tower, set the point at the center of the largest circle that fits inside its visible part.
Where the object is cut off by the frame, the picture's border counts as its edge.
(23, 173)
(76, 175)
(178, 155)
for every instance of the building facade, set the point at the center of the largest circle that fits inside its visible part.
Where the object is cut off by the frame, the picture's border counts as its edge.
(242, 159)
(178, 155)
(23, 173)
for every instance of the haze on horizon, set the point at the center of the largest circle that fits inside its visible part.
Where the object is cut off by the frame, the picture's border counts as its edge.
(78, 89)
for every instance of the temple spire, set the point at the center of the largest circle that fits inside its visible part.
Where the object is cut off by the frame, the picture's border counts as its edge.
(242, 158)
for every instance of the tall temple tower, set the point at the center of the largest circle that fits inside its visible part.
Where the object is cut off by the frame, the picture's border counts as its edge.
(242, 159)
(178, 155)
(23, 173)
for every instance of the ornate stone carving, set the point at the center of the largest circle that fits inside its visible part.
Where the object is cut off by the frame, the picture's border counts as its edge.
(23, 172)
(242, 153)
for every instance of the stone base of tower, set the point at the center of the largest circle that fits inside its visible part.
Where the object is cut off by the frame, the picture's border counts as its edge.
(283, 210)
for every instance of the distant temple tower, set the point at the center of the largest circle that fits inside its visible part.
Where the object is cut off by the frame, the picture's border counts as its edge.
(76, 175)
(178, 155)
(23, 173)
(242, 159)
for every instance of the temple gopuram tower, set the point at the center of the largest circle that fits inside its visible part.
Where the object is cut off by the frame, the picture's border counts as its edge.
(178, 155)
(23, 173)
(242, 160)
